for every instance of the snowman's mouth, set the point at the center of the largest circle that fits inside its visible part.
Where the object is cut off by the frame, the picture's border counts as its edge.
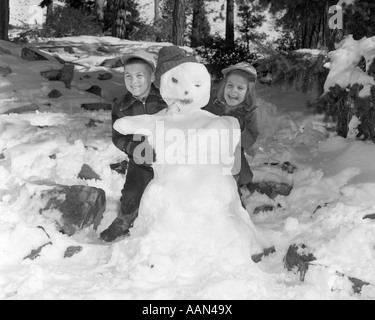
(186, 101)
(172, 101)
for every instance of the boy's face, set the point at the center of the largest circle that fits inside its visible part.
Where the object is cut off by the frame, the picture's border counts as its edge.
(235, 89)
(138, 79)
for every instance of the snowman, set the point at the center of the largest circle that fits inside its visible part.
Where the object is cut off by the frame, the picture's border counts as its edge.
(190, 213)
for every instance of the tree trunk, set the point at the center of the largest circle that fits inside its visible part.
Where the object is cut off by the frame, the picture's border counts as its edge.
(99, 5)
(4, 19)
(156, 13)
(119, 18)
(195, 39)
(178, 29)
(229, 27)
(49, 11)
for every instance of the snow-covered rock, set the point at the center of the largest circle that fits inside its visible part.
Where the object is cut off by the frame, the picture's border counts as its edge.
(343, 65)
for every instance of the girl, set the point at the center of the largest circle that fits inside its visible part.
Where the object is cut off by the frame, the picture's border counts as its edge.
(236, 97)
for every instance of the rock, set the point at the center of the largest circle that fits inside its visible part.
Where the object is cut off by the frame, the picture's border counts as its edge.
(30, 55)
(285, 166)
(69, 50)
(120, 167)
(104, 49)
(358, 284)
(81, 206)
(97, 106)
(71, 251)
(36, 253)
(51, 75)
(321, 206)
(270, 188)
(93, 123)
(112, 63)
(55, 94)
(2, 157)
(288, 167)
(5, 71)
(91, 148)
(4, 51)
(258, 257)
(95, 90)
(369, 216)
(105, 76)
(87, 173)
(264, 208)
(297, 261)
(24, 109)
(65, 75)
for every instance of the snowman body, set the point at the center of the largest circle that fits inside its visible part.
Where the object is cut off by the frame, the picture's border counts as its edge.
(191, 210)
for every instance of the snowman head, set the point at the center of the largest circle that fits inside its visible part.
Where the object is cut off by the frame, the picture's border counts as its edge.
(184, 83)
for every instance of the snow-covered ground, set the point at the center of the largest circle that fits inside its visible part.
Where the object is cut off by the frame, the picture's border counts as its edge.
(333, 187)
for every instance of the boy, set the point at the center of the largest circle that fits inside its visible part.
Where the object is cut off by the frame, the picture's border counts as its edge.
(142, 98)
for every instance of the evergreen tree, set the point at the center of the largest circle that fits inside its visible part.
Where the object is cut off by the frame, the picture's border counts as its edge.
(122, 18)
(251, 18)
(359, 19)
(163, 29)
(306, 19)
(84, 5)
(200, 25)
(166, 22)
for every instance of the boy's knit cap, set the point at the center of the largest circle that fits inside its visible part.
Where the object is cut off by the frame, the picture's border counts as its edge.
(141, 54)
(244, 66)
(169, 58)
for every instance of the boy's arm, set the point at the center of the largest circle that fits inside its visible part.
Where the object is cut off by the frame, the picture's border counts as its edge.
(123, 142)
(251, 132)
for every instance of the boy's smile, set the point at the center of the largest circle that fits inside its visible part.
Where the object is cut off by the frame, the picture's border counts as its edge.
(138, 79)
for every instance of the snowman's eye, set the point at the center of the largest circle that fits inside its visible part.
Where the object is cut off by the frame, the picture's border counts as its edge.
(174, 80)
(198, 85)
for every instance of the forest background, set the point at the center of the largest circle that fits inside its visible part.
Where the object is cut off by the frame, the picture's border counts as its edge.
(306, 31)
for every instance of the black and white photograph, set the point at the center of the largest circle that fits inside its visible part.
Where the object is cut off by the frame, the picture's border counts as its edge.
(166, 151)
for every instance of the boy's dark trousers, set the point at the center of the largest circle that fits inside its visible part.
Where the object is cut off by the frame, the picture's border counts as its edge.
(137, 179)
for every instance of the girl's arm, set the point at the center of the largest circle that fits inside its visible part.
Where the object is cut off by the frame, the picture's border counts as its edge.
(251, 132)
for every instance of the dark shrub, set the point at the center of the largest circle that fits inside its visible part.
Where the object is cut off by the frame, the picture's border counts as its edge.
(66, 21)
(216, 56)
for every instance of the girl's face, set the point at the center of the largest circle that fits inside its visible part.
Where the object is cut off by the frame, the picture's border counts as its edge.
(138, 79)
(235, 90)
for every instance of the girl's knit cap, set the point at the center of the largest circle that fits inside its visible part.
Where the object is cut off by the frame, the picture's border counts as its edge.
(169, 58)
(243, 66)
(143, 55)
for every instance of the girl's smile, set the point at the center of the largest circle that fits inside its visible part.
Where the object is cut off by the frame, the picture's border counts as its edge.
(235, 90)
